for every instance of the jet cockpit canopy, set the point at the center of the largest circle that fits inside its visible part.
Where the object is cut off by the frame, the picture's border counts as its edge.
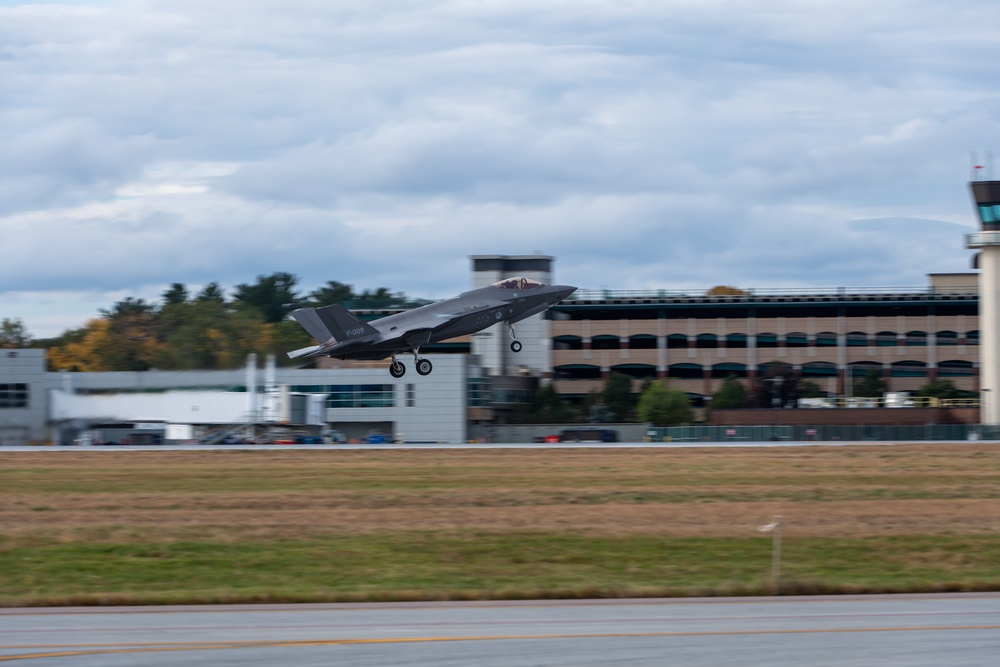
(517, 283)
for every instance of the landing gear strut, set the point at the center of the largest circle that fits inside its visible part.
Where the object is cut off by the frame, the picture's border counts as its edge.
(424, 367)
(515, 344)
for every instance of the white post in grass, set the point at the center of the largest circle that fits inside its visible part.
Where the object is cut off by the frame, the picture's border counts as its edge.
(775, 528)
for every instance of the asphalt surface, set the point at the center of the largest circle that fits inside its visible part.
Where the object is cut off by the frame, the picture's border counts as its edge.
(912, 630)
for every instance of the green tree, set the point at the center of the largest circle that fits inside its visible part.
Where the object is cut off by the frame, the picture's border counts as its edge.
(731, 394)
(777, 387)
(14, 334)
(547, 406)
(871, 385)
(211, 292)
(617, 396)
(331, 293)
(129, 342)
(662, 406)
(273, 296)
(378, 298)
(809, 389)
(941, 389)
(177, 294)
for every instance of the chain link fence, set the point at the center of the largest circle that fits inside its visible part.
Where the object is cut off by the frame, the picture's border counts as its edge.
(950, 432)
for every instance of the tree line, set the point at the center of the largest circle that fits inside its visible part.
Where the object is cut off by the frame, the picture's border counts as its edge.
(203, 330)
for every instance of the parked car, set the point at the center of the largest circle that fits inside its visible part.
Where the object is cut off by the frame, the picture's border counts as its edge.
(334, 437)
(588, 435)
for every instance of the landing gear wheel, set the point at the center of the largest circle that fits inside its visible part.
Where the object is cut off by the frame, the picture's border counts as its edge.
(397, 369)
(515, 346)
(424, 367)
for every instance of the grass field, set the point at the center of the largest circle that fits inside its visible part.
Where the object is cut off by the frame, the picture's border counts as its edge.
(115, 527)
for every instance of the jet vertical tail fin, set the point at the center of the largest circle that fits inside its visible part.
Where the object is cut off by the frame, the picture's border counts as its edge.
(332, 322)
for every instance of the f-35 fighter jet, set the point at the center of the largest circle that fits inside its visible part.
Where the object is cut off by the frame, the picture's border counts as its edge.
(343, 336)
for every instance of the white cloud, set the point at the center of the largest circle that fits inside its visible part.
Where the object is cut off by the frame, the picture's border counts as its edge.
(645, 145)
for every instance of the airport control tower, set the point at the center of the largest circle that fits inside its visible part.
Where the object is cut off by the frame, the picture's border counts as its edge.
(987, 197)
(493, 344)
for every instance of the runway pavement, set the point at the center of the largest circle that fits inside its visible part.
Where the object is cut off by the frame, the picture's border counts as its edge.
(913, 630)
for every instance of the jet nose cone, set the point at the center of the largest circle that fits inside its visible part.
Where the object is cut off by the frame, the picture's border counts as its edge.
(563, 291)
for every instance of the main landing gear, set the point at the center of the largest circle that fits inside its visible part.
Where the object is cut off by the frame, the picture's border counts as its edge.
(423, 366)
(515, 344)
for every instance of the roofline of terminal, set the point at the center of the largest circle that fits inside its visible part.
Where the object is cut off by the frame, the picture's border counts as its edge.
(585, 297)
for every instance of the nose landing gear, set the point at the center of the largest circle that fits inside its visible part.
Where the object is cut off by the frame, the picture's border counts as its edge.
(515, 344)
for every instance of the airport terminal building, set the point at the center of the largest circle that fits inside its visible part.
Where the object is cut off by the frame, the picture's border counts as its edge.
(909, 336)
(694, 340)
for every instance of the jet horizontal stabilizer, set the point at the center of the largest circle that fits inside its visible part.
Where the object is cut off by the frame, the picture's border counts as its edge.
(304, 352)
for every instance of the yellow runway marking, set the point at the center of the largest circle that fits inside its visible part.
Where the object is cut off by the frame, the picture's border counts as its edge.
(99, 649)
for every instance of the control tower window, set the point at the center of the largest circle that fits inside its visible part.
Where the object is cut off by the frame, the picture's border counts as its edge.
(989, 213)
(517, 283)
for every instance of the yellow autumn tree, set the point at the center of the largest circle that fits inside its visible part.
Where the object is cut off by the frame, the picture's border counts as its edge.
(726, 290)
(83, 349)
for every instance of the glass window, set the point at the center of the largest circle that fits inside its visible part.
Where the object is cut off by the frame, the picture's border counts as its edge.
(361, 396)
(675, 341)
(729, 369)
(956, 368)
(767, 340)
(13, 395)
(636, 371)
(710, 341)
(946, 338)
(886, 339)
(819, 369)
(577, 372)
(826, 339)
(686, 371)
(736, 340)
(567, 343)
(909, 369)
(796, 339)
(517, 283)
(478, 389)
(605, 342)
(986, 213)
(642, 342)
(857, 339)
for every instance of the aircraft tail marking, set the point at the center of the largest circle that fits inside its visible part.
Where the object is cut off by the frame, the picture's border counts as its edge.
(334, 322)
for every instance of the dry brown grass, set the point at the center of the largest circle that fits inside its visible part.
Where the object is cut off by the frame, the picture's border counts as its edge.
(236, 495)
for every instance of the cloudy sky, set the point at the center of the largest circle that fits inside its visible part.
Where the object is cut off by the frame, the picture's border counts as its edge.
(660, 144)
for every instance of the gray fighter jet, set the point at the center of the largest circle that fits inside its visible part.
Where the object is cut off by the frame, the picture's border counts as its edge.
(343, 336)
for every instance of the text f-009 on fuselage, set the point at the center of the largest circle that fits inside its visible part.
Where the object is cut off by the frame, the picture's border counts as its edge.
(343, 336)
